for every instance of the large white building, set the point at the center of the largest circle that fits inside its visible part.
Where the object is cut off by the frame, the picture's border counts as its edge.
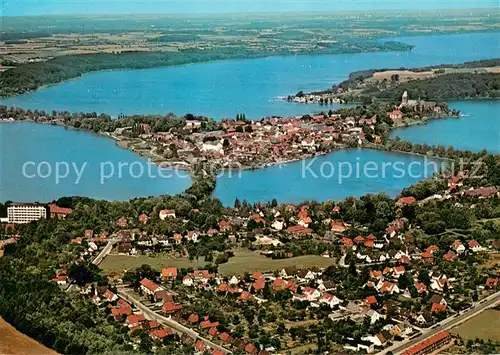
(25, 212)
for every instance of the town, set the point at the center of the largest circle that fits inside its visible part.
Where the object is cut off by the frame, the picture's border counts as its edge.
(394, 274)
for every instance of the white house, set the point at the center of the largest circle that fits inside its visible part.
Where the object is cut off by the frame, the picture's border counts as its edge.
(311, 294)
(166, 213)
(192, 236)
(233, 280)
(92, 246)
(187, 281)
(377, 340)
(373, 315)
(330, 300)
(163, 240)
(213, 147)
(474, 246)
(278, 224)
(149, 287)
(458, 246)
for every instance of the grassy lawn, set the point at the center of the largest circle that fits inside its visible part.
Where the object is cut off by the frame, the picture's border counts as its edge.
(122, 262)
(484, 326)
(241, 262)
(252, 261)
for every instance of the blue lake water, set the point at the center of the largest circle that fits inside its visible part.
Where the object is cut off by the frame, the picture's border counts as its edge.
(344, 173)
(478, 129)
(27, 143)
(224, 88)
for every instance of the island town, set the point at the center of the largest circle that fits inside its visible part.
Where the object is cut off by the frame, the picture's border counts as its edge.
(243, 144)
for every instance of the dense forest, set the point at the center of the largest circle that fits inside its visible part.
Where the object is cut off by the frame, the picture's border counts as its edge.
(356, 78)
(455, 86)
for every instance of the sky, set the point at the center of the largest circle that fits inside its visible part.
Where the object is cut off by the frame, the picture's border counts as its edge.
(60, 7)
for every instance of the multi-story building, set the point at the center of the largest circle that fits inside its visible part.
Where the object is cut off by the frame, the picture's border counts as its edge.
(25, 212)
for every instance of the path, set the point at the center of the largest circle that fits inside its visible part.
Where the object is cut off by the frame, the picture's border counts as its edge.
(126, 294)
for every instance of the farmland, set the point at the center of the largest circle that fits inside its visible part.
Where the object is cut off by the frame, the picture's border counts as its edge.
(12, 342)
(484, 326)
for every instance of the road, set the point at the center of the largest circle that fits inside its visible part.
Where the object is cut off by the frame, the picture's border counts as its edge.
(126, 294)
(448, 323)
(107, 249)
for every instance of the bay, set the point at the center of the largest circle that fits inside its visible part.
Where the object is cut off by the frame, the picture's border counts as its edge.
(478, 128)
(41, 149)
(343, 173)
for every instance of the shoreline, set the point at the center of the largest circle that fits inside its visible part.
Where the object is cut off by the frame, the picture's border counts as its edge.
(236, 58)
(188, 167)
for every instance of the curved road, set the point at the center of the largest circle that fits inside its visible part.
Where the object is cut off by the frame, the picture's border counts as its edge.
(167, 321)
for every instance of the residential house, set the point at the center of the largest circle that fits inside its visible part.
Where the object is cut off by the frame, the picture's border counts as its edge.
(169, 273)
(330, 300)
(311, 294)
(474, 246)
(149, 287)
(458, 246)
(164, 214)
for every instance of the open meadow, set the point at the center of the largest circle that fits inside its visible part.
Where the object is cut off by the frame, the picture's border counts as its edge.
(242, 261)
(485, 326)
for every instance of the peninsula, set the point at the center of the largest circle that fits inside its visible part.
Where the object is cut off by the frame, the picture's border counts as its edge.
(470, 80)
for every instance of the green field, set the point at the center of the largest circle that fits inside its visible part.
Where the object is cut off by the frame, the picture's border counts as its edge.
(253, 261)
(485, 326)
(127, 262)
(242, 261)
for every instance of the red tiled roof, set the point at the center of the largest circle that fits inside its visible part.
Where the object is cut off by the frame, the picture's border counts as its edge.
(436, 307)
(245, 295)
(135, 318)
(259, 284)
(150, 285)
(347, 241)
(199, 345)
(298, 229)
(225, 337)
(169, 272)
(410, 200)
(208, 324)
(171, 307)
(417, 349)
(257, 275)
(250, 348)
(213, 331)
(473, 244)
(193, 318)
(371, 300)
(59, 210)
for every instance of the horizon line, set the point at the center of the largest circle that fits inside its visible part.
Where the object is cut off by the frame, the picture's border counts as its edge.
(266, 13)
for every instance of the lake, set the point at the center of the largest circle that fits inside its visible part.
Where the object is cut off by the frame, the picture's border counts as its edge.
(344, 173)
(43, 150)
(478, 129)
(225, 88)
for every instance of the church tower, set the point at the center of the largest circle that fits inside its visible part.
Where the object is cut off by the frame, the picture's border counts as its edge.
(404, 99)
